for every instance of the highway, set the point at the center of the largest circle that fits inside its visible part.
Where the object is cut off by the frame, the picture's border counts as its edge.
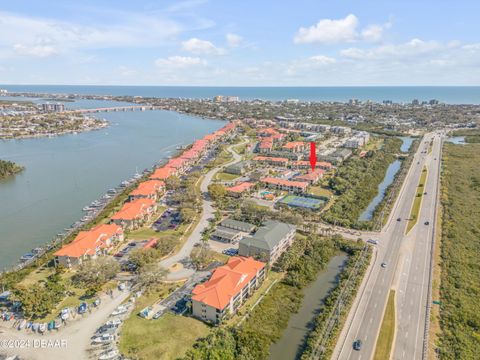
(407, 259)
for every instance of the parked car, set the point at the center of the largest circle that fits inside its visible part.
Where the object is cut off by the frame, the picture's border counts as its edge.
(372, 241)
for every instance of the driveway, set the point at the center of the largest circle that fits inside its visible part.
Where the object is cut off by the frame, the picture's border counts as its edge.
(207, 213)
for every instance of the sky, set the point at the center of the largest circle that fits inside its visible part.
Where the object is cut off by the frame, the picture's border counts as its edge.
(240, 43)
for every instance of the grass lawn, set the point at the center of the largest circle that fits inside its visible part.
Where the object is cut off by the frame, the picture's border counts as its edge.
(246, 306)
(320, 191)
(37, 275)
(168, 337)
(374, 144)
(387, 331)
(417, 202)
(225, 177)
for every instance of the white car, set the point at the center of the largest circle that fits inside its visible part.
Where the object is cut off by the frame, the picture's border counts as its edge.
(112, 354)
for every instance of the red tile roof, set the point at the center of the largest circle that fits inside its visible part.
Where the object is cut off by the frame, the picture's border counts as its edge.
(282, 182)
(147, 188)
(294, 144)
(134, 209)
(227, 281)
(162, 173)
(86, 242)
(268, 158)
(311, 176)
(239, 188)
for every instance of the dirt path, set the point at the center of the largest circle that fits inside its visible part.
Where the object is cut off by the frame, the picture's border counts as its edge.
(71, 342)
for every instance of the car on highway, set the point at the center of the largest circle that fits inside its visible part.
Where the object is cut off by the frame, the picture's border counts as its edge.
(425, 193)
(357, 345)
(384, 265)
(399, 219)
(427, 222)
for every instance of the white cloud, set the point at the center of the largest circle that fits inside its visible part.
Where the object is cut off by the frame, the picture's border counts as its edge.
(197, 46)
(126, 71)
(412, 48)
(329, 31)
(233, 40)
(322, 60)
(35, 50)
(34, 36)
(372, 33)
(179, 62)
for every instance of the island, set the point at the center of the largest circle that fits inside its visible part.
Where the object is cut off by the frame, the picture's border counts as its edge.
(9, 168)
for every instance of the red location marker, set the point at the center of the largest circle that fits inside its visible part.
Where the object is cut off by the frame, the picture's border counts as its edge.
(313, 155)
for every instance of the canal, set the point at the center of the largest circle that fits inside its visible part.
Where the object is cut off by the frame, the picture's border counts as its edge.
(65, 173)
(392, 170)
(292, 342)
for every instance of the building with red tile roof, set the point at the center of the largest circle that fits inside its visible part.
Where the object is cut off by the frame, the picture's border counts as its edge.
(304, 164)
(278, 161)
(311, 177)
(228, 287)
(240, 189)
(150, 189)
(163, 173)
(294, 146)
(133, 214)
(287, 185)
(89, 244)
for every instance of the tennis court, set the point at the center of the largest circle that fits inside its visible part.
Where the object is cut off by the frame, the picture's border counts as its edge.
(304, 202)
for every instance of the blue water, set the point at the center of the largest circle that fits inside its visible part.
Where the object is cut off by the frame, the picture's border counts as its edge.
(457, 140)
(63, 174)
(406, 143)
(392, 170)
(446, 94)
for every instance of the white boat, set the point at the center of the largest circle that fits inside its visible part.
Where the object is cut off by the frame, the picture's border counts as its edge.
(111, 354)
(119, 311)
(22, 324)
(104, 339)
(113, 323)
(65, 314)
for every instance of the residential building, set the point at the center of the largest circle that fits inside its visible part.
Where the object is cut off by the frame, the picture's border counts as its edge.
(237, 168)
(286, 185)
(150, 189)
(294, 146)
(238, 225)
(89, 244)
(276, 161)
(268, 242)
(240, 189)
(311, 177)
(226, 290)
(163, 173)
(226, 235)
(135, 213)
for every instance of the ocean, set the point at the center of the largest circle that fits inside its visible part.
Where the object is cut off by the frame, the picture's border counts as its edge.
(399, 94)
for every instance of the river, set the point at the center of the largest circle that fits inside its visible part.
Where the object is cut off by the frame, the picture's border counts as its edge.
(392, 170)
(65, 173)
(291, 344)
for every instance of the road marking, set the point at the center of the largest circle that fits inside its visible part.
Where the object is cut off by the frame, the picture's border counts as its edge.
(371, 319)
(375, 306)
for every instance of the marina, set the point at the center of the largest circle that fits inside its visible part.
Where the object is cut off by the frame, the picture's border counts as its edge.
(66, 174)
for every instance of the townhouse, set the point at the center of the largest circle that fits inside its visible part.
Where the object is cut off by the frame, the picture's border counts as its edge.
(240, 189)
(150, 189)
(268, 242)
(163, 173)
(276, 161)
(296, 187)
(89, 244)
(294, 146)
(311, 177)
(135, 213)
(304, 164)
(227, 289)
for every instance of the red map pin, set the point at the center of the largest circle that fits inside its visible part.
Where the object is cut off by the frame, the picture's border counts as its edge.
(313, 155)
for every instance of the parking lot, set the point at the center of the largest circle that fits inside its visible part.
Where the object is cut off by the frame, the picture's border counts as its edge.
(170, 219)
